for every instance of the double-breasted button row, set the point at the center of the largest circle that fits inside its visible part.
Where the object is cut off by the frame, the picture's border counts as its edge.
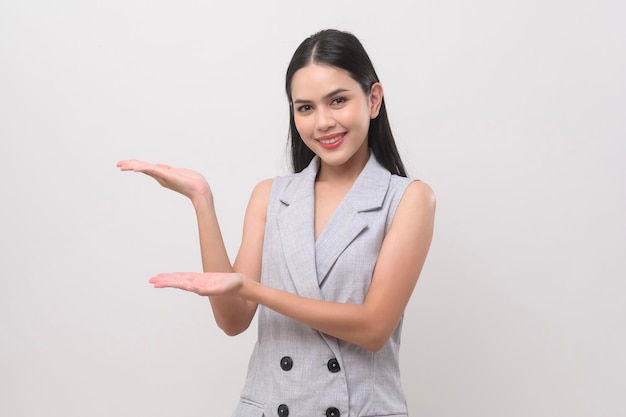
(283, 411)
(286, 363)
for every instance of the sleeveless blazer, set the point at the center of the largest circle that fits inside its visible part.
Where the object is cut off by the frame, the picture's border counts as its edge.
(295, 370)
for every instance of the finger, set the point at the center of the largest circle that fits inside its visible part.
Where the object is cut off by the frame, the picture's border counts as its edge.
(131, 164)
(125, 165)
(162, 280)
(144, 167)
(181, 281)
(153, 170)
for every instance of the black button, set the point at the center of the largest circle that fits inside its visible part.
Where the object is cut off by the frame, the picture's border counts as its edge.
(286, 363)
(283, 410)
(332, 412)
(333, 365)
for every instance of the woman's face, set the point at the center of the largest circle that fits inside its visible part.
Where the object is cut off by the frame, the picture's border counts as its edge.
(332, 113)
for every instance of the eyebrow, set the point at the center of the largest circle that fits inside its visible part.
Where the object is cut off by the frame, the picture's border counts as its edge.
(326, 97)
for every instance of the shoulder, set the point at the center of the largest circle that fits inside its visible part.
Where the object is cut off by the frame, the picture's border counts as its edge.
(418, 203)
(413, 222)
(410, 192)
(263, 187)
(419, 193)
(260, 196)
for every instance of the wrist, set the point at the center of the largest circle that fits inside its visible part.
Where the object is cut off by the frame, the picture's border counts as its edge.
(247, 288)
(202, 198)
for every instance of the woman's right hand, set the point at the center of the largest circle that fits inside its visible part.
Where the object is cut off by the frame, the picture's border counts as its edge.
(184, 181)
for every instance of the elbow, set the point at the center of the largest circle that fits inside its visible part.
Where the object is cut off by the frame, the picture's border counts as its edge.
(232, 332)
(233, 329)
(374, 346)
(233, 324)
(376, 339)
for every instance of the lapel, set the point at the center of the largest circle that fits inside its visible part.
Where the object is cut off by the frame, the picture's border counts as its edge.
(308, 261)
(347, 222)
(295, 225)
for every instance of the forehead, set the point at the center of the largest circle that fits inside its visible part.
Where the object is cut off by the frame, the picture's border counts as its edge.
(317, 80)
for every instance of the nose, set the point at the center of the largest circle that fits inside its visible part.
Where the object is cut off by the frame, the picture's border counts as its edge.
(325, 119)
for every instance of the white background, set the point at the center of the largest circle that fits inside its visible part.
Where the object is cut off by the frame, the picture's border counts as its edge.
(513, 111)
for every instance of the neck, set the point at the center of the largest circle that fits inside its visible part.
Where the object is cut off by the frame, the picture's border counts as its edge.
(344, 173)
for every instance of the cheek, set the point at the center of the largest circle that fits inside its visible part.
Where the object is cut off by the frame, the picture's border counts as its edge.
(303, 124)
(356, 116)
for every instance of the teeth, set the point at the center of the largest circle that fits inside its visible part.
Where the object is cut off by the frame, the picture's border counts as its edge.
(331, 140)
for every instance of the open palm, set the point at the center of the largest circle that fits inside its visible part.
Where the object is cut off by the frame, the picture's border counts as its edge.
(206, 284)
(184, 181)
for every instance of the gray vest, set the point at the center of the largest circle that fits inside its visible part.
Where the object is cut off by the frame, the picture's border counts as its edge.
(298, 371)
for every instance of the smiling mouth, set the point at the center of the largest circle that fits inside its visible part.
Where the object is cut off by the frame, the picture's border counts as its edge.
(331, 140)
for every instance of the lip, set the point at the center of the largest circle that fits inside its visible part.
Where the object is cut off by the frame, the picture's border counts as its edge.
(333, 144)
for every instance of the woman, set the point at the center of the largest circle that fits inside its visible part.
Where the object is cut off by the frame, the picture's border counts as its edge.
(329, 255)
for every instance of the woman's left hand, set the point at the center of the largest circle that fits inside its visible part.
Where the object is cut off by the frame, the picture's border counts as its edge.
(205, 284)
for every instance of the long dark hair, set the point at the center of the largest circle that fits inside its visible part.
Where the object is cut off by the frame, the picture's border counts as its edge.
(342, 50)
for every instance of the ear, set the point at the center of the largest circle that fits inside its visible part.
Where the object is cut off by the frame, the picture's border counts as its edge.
(375, 99)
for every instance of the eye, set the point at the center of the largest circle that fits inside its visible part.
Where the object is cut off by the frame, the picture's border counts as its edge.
(339, 101)
(304, 108)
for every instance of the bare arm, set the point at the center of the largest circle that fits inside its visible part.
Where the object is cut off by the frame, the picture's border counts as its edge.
(232, 314)
(369, 324)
